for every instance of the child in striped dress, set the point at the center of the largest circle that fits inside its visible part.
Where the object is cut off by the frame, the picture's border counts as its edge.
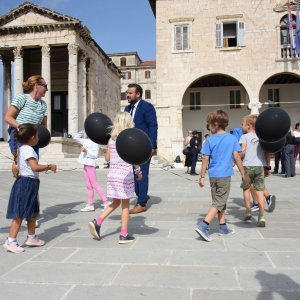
(120, 181)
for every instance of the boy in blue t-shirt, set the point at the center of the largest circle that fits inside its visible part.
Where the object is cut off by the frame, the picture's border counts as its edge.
(219, 150)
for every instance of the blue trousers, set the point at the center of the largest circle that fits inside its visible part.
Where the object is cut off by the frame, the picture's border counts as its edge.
(141, 187)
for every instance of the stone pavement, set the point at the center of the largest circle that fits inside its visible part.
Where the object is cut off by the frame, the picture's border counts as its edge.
(168, 259)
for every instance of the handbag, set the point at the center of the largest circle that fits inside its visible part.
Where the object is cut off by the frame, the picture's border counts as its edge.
(186, 151)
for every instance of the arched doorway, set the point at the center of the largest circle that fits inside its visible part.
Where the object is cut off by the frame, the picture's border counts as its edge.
(210, 92)
(282, 90)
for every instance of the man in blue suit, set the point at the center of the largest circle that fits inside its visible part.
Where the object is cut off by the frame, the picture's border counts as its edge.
(144, 117)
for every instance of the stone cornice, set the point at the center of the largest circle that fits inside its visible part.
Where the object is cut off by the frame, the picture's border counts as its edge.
(284, 7)
(82, 30)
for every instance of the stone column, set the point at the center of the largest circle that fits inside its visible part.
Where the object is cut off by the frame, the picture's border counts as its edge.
(18, 70)
(254, 105)
(73, 89)
(6, 92)
(46, 74)
(82, 89)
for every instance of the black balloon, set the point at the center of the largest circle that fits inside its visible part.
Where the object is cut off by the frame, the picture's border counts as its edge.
(273, 147)
(44, 136)
(272, 124)
(134, 146)
(98, 127)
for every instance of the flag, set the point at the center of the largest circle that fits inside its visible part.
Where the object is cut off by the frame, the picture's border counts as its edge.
(298, 29)
(292, 41)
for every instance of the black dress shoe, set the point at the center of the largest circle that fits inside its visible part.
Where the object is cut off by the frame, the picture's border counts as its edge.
(194, 174)
(274, 172)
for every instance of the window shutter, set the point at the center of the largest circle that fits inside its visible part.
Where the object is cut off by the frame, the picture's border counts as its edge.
(241, 34)
(219, 35)
(177, 38)
(185, 38)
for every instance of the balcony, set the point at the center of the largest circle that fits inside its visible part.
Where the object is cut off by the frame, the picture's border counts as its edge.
(288, 53)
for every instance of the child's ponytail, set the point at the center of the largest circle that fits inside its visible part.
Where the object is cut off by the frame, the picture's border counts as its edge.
(15, 153)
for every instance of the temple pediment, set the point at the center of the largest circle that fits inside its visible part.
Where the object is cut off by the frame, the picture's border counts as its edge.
(30, 18)
(29, 14)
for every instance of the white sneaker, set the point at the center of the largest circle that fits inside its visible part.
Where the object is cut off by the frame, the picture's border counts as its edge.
(88, 207)
(13, 247)
(34, 242)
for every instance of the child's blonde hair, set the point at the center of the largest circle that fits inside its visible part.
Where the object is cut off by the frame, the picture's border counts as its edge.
(250, 120)
(122, 121)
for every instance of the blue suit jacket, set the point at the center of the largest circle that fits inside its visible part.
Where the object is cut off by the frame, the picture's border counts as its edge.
(145, 119)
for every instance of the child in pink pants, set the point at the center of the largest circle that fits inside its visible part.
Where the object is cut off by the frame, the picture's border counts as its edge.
(89, 152)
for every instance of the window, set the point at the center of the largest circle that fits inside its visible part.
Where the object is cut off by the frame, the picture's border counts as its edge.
(195, 101)
(123, 61)
(235, 99)
(181, 37)
(230, 34)
(127, 75)
(273, 95)
(57, 103)
(147, 94)
(123, 96)
(147, 74)
(284, 30)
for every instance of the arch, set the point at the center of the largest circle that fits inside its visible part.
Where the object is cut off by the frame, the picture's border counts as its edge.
(211, 91)
(281, 89)
(192, 79)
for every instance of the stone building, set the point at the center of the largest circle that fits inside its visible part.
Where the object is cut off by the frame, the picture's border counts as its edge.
(229, 54)
(81, 77)
(134, 70)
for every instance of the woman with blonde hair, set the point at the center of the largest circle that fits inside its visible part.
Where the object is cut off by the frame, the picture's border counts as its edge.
(28, 107)
(120, 181)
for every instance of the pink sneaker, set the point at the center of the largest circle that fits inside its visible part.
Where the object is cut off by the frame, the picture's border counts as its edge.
(13, 247)
(35, 242)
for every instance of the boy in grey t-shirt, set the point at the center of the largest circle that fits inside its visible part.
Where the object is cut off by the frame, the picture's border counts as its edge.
(254, 160)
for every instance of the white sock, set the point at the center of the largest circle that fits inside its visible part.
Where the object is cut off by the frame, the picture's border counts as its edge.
(12, 240)
(31, 236)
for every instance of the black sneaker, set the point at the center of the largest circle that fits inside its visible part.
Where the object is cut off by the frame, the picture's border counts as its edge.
(271, 202)
(126, 239)
(94, 229)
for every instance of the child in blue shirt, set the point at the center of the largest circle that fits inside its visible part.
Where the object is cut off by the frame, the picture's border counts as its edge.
(218, 152)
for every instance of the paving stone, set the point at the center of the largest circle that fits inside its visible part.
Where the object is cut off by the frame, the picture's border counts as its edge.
(33, 291)
(168, 260)
(127, 293)
(179, 276)
(67, 273)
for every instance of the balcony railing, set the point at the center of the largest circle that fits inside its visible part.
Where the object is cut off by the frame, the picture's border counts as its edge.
(288, 53)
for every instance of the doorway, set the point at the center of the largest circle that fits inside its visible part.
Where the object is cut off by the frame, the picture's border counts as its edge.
(59, 113)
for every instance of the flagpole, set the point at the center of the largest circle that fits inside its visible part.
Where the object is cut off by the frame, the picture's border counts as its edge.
(292, 41)
(297, 29)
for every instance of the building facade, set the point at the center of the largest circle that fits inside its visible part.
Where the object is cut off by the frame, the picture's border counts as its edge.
(228, 54)
(81, 78)
(134, 70)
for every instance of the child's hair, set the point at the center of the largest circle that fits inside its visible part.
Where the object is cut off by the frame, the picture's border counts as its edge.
(122, 121)
(23, 134)
(250, 120)
(218, 118)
